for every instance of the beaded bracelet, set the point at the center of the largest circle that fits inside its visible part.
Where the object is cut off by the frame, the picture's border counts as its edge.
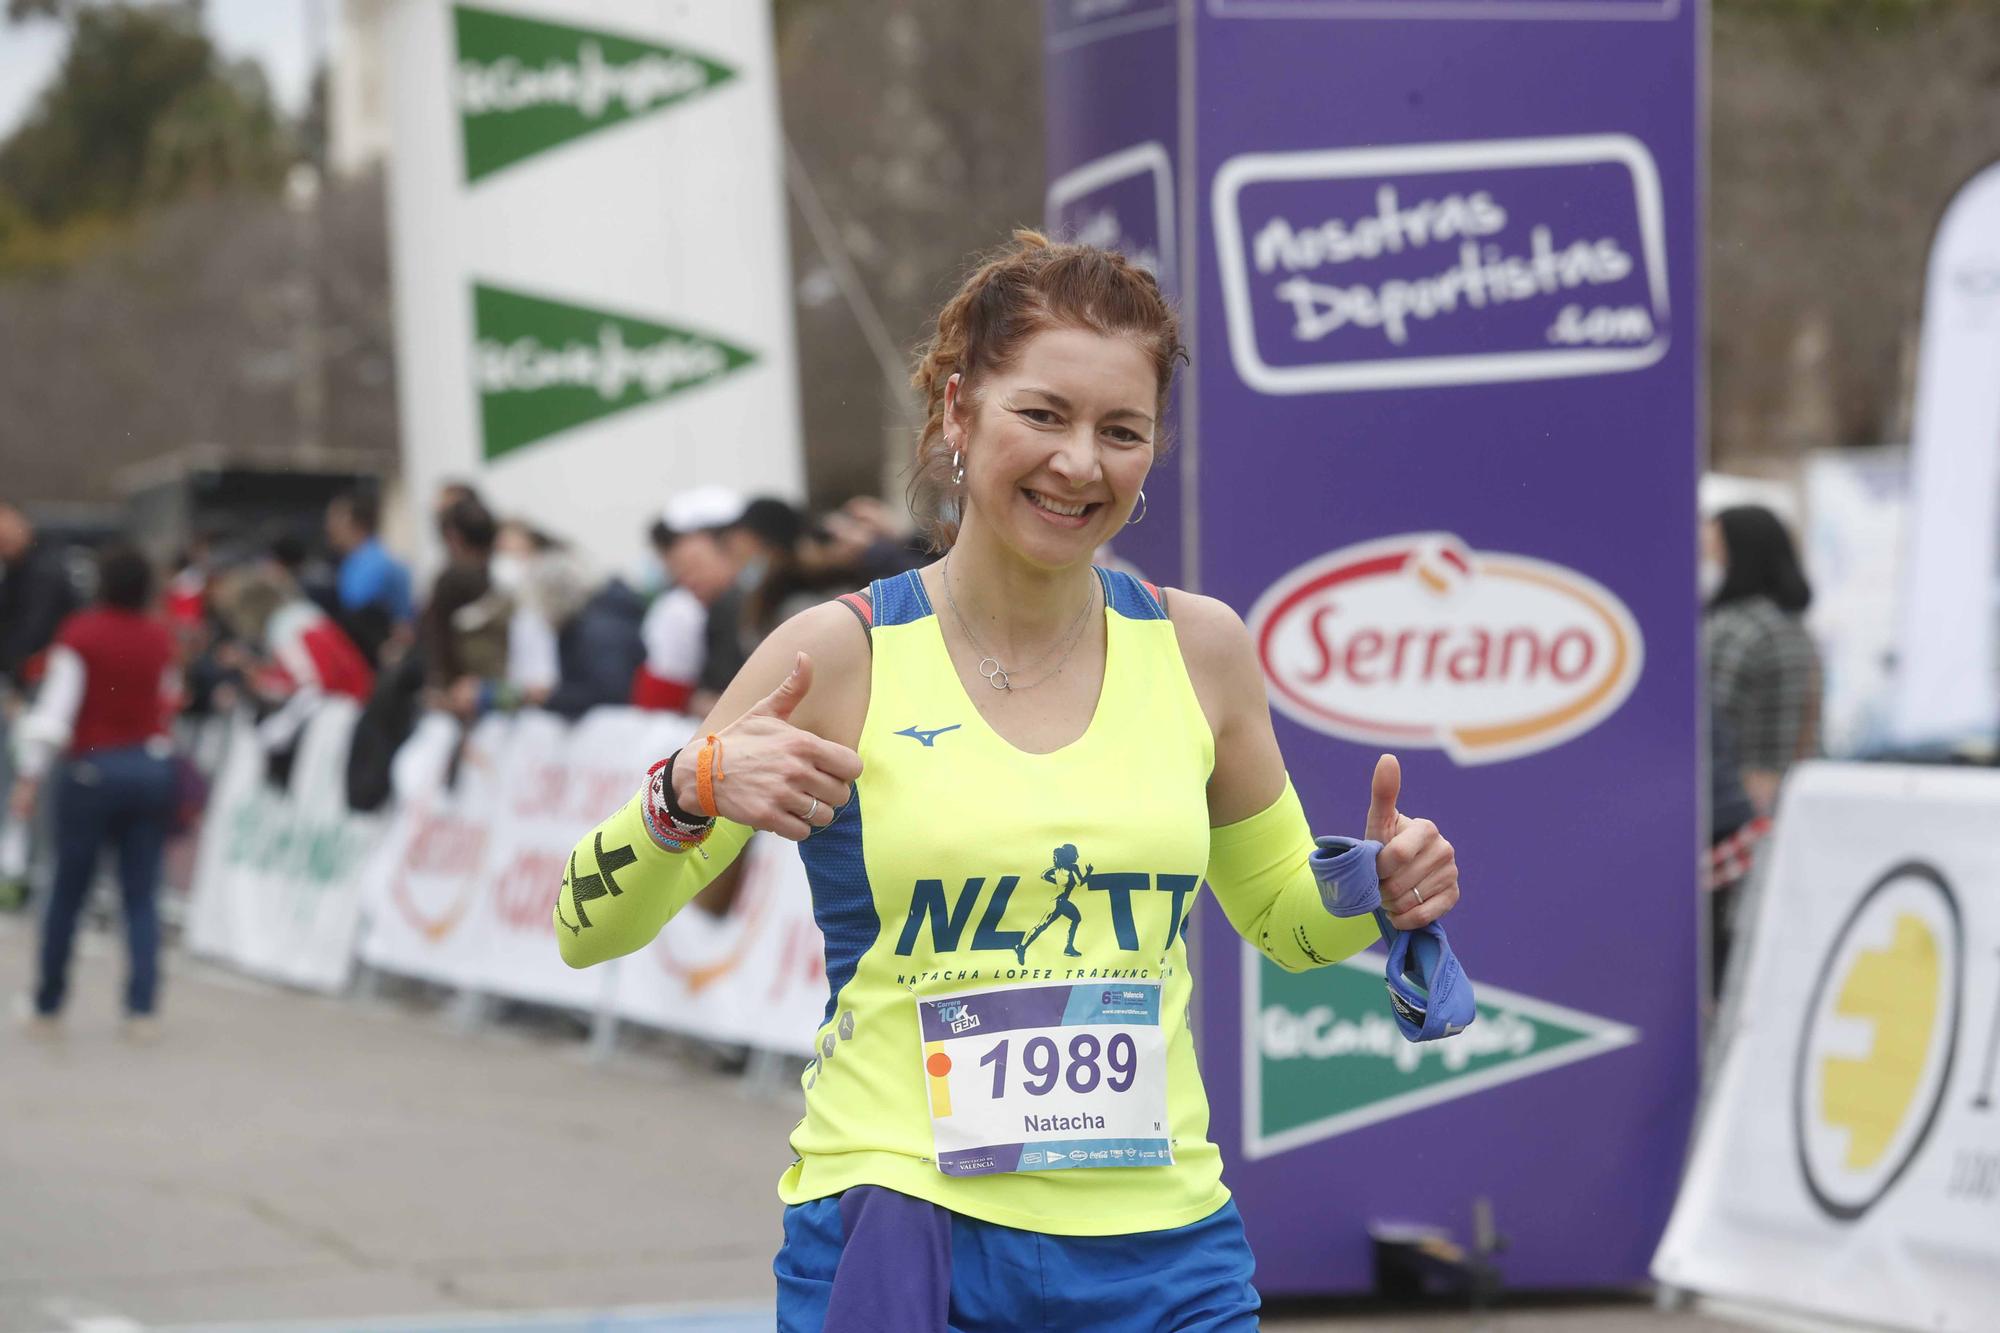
(668, 829)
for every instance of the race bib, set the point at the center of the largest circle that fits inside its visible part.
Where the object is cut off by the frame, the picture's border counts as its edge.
(1046, 1078)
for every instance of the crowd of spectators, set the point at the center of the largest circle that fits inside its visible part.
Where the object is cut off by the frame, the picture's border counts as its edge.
(514, 618)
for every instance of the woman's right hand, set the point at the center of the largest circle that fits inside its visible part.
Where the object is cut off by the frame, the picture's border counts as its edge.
(769, 772)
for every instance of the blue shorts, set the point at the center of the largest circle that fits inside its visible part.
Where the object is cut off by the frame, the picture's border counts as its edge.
(872, 1259)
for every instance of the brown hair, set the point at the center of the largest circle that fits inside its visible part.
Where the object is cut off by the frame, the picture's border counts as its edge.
(1014, 293)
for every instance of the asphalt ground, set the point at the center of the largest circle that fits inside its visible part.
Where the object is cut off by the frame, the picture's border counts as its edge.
(283, 1160)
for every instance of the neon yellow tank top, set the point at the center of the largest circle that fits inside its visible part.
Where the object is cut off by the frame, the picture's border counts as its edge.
(944, 874)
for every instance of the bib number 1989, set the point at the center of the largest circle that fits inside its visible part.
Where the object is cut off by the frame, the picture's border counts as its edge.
(1044, 1068)
(1046, 1078)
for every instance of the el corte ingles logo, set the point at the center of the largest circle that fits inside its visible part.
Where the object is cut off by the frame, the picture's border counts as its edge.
(525, 86)
(1323, 1057)
(543, 366)
(1419, 640)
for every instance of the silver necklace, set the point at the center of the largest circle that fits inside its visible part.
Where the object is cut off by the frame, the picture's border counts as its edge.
(999, 677)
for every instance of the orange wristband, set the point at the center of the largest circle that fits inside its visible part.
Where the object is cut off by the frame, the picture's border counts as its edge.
(707, 772)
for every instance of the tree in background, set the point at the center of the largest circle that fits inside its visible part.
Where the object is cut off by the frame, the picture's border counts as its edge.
(142, 111)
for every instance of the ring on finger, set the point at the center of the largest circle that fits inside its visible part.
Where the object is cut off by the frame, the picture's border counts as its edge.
(1418, 894)
(811, 810)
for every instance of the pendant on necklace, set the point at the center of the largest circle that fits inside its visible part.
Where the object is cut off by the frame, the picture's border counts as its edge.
(996, 675)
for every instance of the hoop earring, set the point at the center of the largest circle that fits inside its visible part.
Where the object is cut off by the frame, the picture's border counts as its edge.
(957, 466)
(1142, 509)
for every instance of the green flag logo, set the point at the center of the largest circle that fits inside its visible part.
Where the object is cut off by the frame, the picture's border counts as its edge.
(1323, 1056)
(525, 86)
(543, 366)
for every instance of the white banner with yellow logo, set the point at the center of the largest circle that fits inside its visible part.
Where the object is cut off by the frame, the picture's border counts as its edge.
(587, 221)
(278, 873)
(1848, 1162)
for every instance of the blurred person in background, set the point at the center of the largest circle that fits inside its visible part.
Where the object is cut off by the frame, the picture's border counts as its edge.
(701, 568)
(570, 647)
(1734, 831)
(106, 705)
(35, 595)
(208, 685)
(763, 544)
(373, 587)
(861, 541)
(450, 493)
(544, 587)
(185, 601)
(286, 645)
(463, 629)
(1763, 670)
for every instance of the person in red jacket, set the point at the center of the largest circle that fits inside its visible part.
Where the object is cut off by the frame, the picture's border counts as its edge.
(107, 697)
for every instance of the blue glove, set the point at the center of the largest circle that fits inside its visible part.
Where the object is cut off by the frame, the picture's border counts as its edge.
(1429, 992)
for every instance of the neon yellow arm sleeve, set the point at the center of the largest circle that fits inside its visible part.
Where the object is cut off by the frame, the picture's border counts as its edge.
(620, 886)
(1258, 868)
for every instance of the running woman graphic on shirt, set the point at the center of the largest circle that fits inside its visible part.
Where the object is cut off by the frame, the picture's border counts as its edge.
(1065, 865)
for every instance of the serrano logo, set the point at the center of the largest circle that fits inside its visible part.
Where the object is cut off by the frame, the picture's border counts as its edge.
(1877, 1048)
(1419, 641)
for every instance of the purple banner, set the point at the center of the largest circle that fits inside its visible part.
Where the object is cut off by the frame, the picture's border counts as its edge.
(1114, 181)
(1438, 264)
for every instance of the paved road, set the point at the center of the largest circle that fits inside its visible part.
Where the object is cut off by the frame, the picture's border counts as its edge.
(278, 1158)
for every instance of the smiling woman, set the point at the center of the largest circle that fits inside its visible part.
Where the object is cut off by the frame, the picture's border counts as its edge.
(1005, 1125)
(1093, 304)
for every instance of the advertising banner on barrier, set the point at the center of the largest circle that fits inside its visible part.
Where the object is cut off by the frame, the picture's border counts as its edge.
(754, 975)
(427, 886)
(1438, 275)
(464, 886)
(592, 276)
(1848, 1161)
(545, 798)
(277, 885)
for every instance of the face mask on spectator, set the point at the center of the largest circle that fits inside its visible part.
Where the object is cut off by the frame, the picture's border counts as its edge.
(1711, 576)
(651, 577)
(508, 572)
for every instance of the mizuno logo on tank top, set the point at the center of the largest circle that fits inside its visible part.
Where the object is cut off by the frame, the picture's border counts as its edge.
(929, 738)
(968, 865)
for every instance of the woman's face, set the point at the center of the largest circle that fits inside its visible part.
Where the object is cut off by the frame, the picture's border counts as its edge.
(1057, 445)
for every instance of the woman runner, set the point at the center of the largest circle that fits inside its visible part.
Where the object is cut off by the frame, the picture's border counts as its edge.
(1003, 1130)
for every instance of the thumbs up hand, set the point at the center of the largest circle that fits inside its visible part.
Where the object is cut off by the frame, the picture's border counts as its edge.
(774, 776)
(1417, 867)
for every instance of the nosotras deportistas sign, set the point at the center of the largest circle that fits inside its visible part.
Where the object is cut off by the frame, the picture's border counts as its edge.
(523, 86)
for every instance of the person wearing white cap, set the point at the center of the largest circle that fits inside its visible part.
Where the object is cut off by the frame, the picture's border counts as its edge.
(675, 631)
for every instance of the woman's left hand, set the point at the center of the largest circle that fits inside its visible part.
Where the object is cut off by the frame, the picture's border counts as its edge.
(1417, 867)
